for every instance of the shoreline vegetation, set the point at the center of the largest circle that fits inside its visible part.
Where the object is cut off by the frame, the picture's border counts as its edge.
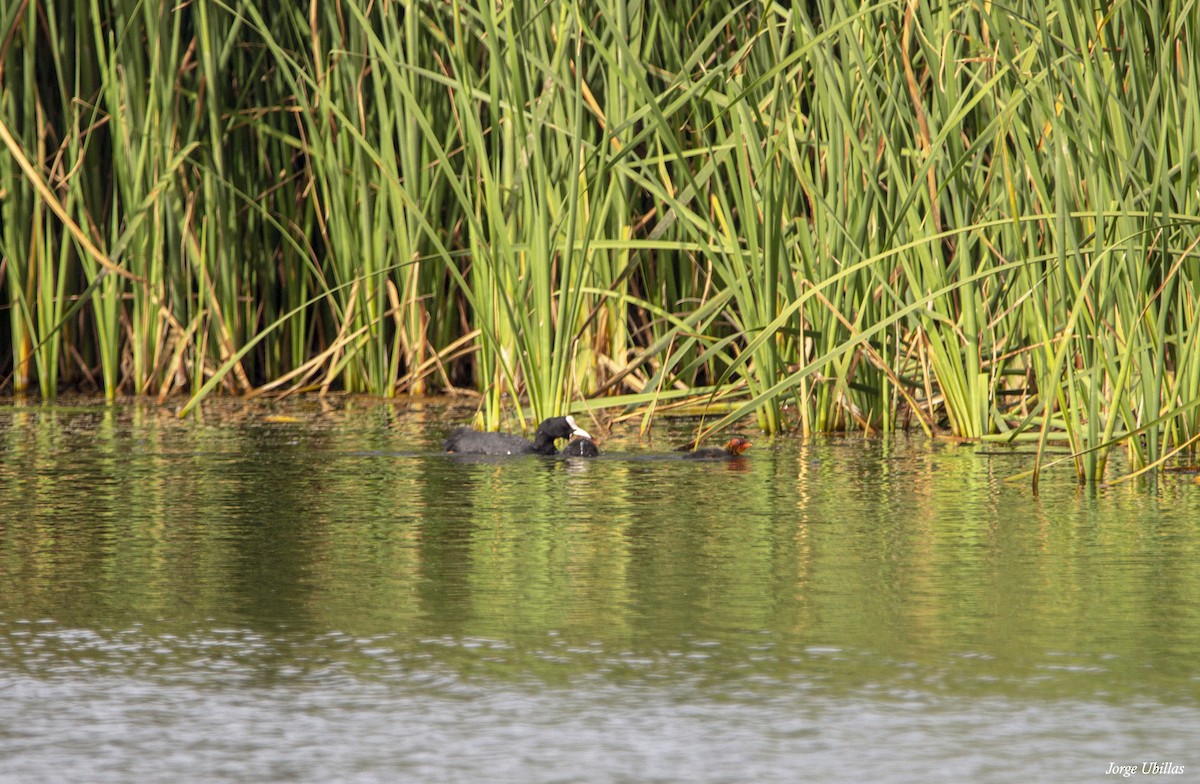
(968, 217)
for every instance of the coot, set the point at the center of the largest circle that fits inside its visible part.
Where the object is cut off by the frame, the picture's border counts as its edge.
(581, 447)
(733, 448)
(466, 441)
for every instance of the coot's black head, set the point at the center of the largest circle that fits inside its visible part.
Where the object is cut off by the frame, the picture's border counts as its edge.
(554, 428)
(562, 427)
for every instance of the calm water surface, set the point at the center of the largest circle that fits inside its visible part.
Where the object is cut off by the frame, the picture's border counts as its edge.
(236, 598)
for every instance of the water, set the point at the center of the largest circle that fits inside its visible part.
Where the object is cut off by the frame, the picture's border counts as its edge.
(314, 593)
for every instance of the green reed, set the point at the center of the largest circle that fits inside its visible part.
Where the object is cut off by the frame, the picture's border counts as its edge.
(964, 217)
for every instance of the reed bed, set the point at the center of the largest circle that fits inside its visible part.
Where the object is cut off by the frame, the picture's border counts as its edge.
(969, 217)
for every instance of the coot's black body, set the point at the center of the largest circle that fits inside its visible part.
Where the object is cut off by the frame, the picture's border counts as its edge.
(466, 441)
(732, 449)
(581, 447)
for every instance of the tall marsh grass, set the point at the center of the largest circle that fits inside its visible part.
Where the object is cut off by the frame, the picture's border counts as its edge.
(970, 217)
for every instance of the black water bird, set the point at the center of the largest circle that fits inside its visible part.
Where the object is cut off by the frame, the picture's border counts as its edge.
(733, 448)
(466, 441)
(581, 447)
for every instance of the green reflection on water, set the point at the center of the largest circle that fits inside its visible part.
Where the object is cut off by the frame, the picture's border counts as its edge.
(345, 538)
